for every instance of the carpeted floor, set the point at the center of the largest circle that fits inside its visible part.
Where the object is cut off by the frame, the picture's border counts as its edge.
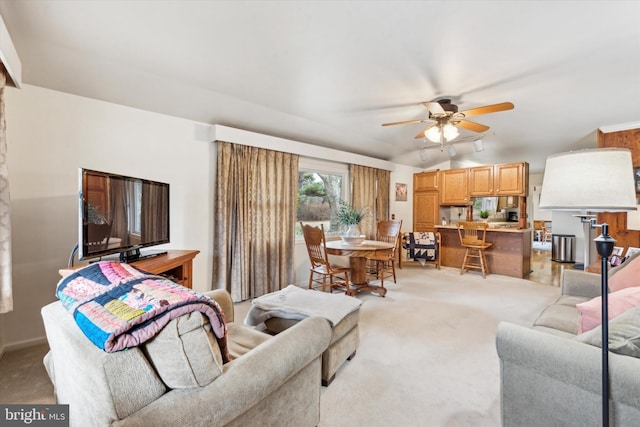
(427, 351)
(426, 356)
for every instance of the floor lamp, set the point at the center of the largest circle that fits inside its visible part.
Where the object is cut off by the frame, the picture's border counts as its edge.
(598, 180)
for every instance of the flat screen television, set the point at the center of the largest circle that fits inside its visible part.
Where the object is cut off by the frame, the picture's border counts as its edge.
(120, 214)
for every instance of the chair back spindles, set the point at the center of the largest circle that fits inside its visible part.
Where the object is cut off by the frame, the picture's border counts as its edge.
(315, 241)
(383, 265)
(473, 238)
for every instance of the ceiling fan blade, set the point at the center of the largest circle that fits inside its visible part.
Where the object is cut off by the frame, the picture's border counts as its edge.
(421, 134)
(434, 108)
(408, 122)
(487, 109)
(472, 126)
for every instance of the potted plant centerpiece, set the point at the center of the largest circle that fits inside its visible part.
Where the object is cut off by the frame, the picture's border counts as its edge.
(351, 218)
(484, 214)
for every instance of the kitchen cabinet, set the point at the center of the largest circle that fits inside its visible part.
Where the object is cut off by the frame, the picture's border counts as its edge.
(481, 181)
(454, 187)
(425, 181)
(426, 210)
(509, 179)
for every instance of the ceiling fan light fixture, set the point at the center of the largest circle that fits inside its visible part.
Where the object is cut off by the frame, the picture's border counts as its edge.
(450, 131)
(433, 134)
(478, 145)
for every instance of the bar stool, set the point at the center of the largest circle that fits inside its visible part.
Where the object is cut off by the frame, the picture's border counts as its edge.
(472, 237)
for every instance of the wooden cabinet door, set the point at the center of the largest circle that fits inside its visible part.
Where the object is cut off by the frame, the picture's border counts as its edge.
(511, 179)
(454, 187)
(426, 210)
(481, 181)
(425, 181)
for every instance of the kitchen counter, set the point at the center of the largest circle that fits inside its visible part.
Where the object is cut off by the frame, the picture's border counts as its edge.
(509, 227)
(509, 255)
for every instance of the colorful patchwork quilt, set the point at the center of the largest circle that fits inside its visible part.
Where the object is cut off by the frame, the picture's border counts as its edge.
(118, 306)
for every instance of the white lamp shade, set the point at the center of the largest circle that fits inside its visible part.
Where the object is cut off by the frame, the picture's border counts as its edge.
(598, 180)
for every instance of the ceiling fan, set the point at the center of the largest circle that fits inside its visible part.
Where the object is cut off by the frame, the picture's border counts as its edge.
(447, 118)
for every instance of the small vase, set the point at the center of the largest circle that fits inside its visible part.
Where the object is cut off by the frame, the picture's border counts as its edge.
(353, 230)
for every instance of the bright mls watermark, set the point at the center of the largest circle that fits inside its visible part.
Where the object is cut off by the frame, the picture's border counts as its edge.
(34, 415)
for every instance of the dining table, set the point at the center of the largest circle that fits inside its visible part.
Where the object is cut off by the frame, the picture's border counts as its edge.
(358, 254)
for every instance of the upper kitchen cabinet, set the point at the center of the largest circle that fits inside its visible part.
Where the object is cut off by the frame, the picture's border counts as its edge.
(481, 181)
(454, 187)
(425, 181)
(509, 179)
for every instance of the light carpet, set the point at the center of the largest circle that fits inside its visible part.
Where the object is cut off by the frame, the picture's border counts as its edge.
(427, 352)
(426, 357)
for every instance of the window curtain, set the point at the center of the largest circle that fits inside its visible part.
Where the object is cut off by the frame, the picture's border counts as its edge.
(370, 190)
(6, 290)
(383, 194)
(255, 213)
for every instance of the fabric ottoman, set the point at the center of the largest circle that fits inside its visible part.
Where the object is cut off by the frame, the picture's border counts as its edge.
(282, 309)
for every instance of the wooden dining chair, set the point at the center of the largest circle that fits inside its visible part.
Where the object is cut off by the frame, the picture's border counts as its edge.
(548, 233)
(321, 268)
(382, 264)
(473, 239)
(538, 228)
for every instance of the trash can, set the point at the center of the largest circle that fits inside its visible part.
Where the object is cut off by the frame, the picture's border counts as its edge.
(563, 247)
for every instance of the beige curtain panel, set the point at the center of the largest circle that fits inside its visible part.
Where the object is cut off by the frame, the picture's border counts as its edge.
(383, 195)
(6, 292)
(255, 213)
(370, 188)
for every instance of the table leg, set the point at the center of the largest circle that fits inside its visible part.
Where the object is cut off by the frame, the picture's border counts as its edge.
(358, 277)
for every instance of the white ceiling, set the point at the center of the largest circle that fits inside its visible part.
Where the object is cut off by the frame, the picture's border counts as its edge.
(331, 72)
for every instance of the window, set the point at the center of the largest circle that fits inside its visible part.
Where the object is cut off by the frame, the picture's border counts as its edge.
(484, 204)
(321, 186)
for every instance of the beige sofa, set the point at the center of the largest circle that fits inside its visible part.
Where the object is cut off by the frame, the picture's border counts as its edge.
(178, 377)
(551, 375)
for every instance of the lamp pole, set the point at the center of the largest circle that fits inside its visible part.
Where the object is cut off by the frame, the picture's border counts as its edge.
(604, 245)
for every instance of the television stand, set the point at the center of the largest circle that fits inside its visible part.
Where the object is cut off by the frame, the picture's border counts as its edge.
(176, 264)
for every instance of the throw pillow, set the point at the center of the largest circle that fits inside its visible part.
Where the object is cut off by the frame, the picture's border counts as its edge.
(628, 275)
(185, 353)
(624, 334)
(619, 302)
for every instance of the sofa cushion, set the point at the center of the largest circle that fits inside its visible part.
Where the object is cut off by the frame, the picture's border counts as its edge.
(561, 316)
(185, 353)
(243, 339)
(624, 334)
(619, 302)
(628, 274)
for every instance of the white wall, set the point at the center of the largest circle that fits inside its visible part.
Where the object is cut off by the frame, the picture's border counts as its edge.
(50, 135)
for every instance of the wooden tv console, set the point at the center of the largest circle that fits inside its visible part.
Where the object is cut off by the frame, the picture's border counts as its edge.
(178, 264)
